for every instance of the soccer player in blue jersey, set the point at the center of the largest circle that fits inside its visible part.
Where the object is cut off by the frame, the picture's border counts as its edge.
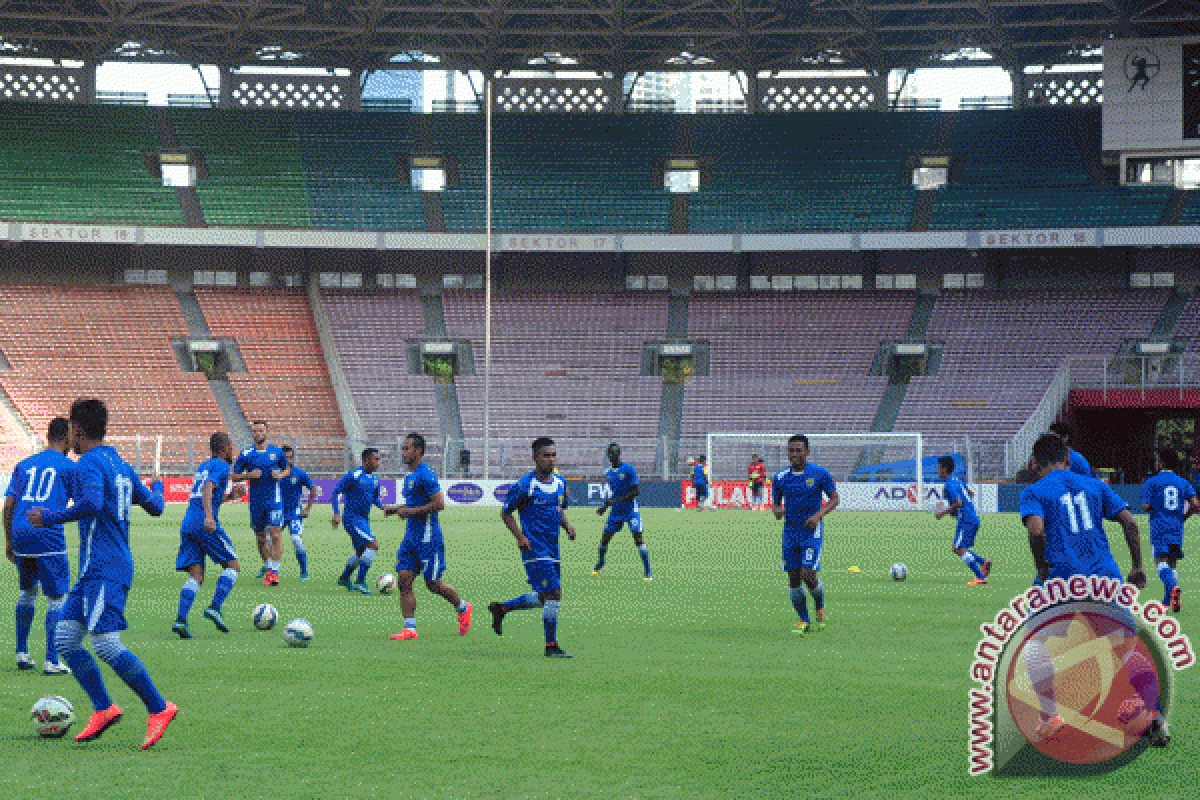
(700, 481)
(360, 487)
(1078, 464)
(291, 488)
(40, 554)
(1064, 517)
(798, 493)
(105, 489)
(622, 499)
(264, 466)
(960, 506)
(538, 499)
(1169, 499)
(201, 535)
(423, 550)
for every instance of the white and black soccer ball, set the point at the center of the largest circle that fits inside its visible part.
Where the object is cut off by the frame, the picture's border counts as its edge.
(899, 571)
(385, 583)
(298, 633)
(265, 616)
(52, 716)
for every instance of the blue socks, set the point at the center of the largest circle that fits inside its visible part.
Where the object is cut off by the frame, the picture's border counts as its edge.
(799, 602)
(187, 596)
(1169, 579)
(973, 561)
(25, 612)
(550, 621)
(645, 554)
(351, 563)
(224, 587)
(818, 595)
(524, 601)
(53, 613)
(301, 556)
(135, 676)
(364, 563)
(87, 672)
(600, 560)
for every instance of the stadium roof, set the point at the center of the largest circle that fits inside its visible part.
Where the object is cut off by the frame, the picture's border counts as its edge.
(606, 35)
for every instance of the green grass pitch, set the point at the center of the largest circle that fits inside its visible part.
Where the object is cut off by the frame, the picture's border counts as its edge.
(690, 686)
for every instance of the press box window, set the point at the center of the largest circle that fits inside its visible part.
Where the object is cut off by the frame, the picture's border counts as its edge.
(428, 173)
(931, 172)
(178, 171)
(682, 176)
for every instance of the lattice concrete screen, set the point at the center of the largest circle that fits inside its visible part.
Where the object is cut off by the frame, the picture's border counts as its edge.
(314, 92)
(42, 84)
(552, 96)
(1065, 89)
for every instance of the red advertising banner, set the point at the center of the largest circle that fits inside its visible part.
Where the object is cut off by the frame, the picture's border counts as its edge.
(723, 494)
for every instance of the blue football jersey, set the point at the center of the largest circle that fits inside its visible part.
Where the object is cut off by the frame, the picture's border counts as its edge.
(105, 490)
(1167, 494)
(1073, 509)
(699, 475)
(264, 491)
(955, 492)
(1080, 465)
(420, 486)
(291, 488)
(539, 506)
(620, 479)
(44, 480)
(360, 490)
(215, 471)
(801, 493)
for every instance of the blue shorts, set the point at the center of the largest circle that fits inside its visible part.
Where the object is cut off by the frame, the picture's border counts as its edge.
(263, 517)
(359, 529)
(295, 526)
(426, 558)
(803, 551)
(964, 534)
(195, 545)
(1169, 545)
(1109, 570)
(98, 605)
(52, 572)
(543, 576)
(615, 521)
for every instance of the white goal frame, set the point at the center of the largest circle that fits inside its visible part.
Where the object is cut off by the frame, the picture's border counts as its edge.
(850, 439)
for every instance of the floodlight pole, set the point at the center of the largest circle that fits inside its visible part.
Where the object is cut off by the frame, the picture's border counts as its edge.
(487, 277)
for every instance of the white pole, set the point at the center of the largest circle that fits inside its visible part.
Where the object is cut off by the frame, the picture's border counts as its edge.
(487, 277)
(920, 471)
(158, 442)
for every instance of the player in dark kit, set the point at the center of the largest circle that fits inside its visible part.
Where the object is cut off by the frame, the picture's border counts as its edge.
(538, 498)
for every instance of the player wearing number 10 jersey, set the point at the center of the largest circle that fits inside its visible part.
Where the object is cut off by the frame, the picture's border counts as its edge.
(40, 554)
(1169, 499)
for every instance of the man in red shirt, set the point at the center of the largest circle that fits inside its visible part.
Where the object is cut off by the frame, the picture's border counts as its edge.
(756, 473)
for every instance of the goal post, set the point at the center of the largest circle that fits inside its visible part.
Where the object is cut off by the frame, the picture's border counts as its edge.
(879, 470)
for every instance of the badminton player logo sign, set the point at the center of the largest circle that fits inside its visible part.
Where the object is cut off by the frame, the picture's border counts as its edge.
(1069, 678)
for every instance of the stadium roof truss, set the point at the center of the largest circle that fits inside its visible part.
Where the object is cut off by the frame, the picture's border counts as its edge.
(608, 36)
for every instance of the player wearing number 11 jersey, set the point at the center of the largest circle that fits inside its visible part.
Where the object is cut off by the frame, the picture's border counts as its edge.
(1169, 499)
(105, 490)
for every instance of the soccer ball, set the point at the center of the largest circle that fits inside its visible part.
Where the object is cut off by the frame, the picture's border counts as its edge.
(899, 572)
(52, 716)
(265, 616)
(385, 583)
(298, 633)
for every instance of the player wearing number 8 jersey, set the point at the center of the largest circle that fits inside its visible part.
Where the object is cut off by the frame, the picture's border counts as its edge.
(798, 499)
(1169, 499)
(40, 554)
(105, 489)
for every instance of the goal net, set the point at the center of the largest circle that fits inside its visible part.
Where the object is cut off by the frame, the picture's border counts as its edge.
(873, 471)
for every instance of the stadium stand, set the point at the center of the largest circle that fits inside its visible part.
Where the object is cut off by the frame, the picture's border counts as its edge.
(110, 341)
(1003, 348)
(70, 164)
(790, 362)
(370, 330)
(254, 175)
(807, 172)
(1035, 168)
(286, 381)
(564, 364)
